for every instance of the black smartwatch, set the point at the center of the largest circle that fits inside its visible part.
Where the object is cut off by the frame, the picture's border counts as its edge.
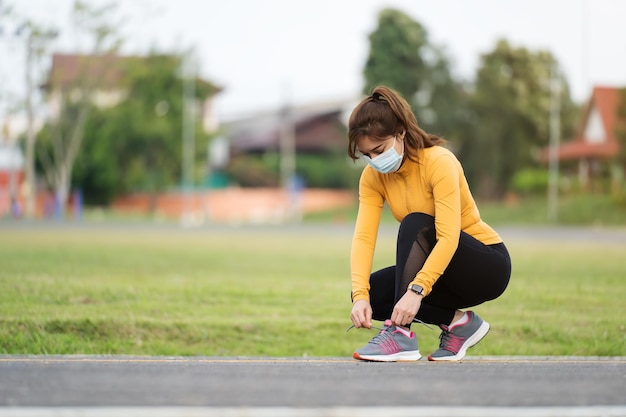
(417, 289)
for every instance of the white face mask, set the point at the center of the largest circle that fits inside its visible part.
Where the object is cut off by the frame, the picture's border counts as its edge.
(388, 161)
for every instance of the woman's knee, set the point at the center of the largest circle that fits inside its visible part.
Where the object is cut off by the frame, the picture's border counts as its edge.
(419, 219)
(414, 224)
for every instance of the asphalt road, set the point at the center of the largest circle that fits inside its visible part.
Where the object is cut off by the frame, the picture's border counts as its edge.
(52, 385)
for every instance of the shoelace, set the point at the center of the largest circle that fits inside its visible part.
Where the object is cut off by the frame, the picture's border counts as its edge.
(373, 327)
(381, 328)
(450, 342)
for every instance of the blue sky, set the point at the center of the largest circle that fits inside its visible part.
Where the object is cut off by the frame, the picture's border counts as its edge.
(267, 52)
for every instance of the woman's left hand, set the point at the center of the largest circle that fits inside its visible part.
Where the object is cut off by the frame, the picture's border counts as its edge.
(406, 308)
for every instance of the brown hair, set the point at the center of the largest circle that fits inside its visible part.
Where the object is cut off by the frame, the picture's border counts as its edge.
(385, 113)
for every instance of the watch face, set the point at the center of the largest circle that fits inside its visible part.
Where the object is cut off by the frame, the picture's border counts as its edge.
(417, 289)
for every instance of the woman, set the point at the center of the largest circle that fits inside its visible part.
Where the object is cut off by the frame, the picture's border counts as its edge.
(447, 258)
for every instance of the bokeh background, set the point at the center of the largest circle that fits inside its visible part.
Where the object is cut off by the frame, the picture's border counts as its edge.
(212, 112)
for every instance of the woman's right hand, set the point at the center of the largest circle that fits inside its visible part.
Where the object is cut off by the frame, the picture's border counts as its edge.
(361, 314)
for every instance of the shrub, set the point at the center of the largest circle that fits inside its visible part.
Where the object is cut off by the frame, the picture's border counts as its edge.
(530, 181)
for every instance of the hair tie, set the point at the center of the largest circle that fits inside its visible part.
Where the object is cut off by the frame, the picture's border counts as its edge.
(377, 97)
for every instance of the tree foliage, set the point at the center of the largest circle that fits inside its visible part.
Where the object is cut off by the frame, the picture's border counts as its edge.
(137, 145)
(511, 107)
(402, 57)
(497, 125)
(330, 169)
(396, 54)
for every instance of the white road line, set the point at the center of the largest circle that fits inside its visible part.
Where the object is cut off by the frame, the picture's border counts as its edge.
(583, 411)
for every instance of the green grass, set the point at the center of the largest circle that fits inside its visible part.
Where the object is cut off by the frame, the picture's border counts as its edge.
(578, 210)
(273, 292)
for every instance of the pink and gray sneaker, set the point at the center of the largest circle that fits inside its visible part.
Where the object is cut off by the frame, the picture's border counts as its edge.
(389, 345)
(456, 339)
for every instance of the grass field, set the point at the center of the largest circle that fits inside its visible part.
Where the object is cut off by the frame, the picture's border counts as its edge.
(273, 292)
(582, 210)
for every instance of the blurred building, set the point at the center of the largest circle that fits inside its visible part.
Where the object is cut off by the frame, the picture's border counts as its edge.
(106, 74)
(318, 127)
(591, 152)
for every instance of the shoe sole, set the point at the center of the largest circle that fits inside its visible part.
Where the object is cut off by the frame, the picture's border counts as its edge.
(409, 356)
(471, 341)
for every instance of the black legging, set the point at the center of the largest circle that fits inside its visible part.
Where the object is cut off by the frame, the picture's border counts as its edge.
(476, 273)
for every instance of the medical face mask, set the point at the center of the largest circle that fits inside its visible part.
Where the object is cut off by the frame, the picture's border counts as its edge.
(388, 161)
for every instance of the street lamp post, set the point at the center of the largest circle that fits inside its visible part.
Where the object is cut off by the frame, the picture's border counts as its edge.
(555, 128)
(287, 148)
(189, 134)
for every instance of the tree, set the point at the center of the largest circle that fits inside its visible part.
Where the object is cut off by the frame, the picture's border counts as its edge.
(395, 58)
(66, 132)
(402, 57)
(511, 107)
(444, 105)
(36, 46)
(37, 40)
(136, 145)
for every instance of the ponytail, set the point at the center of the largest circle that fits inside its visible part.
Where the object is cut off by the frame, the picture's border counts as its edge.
(385, 113)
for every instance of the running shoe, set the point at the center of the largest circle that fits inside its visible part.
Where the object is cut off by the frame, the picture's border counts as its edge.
(389, 345)
(456, 339)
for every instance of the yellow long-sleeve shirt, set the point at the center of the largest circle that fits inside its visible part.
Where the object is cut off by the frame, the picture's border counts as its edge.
(435, 185)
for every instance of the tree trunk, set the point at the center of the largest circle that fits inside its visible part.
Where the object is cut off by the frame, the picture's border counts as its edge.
(29, 163)
(61, 186)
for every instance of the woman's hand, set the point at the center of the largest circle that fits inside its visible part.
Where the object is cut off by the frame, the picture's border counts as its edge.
(361, 314)
(406, 308)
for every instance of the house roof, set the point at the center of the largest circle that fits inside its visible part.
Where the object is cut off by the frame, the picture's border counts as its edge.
(318, 127)
(596, 133)
(68, 69)
(109, 69)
